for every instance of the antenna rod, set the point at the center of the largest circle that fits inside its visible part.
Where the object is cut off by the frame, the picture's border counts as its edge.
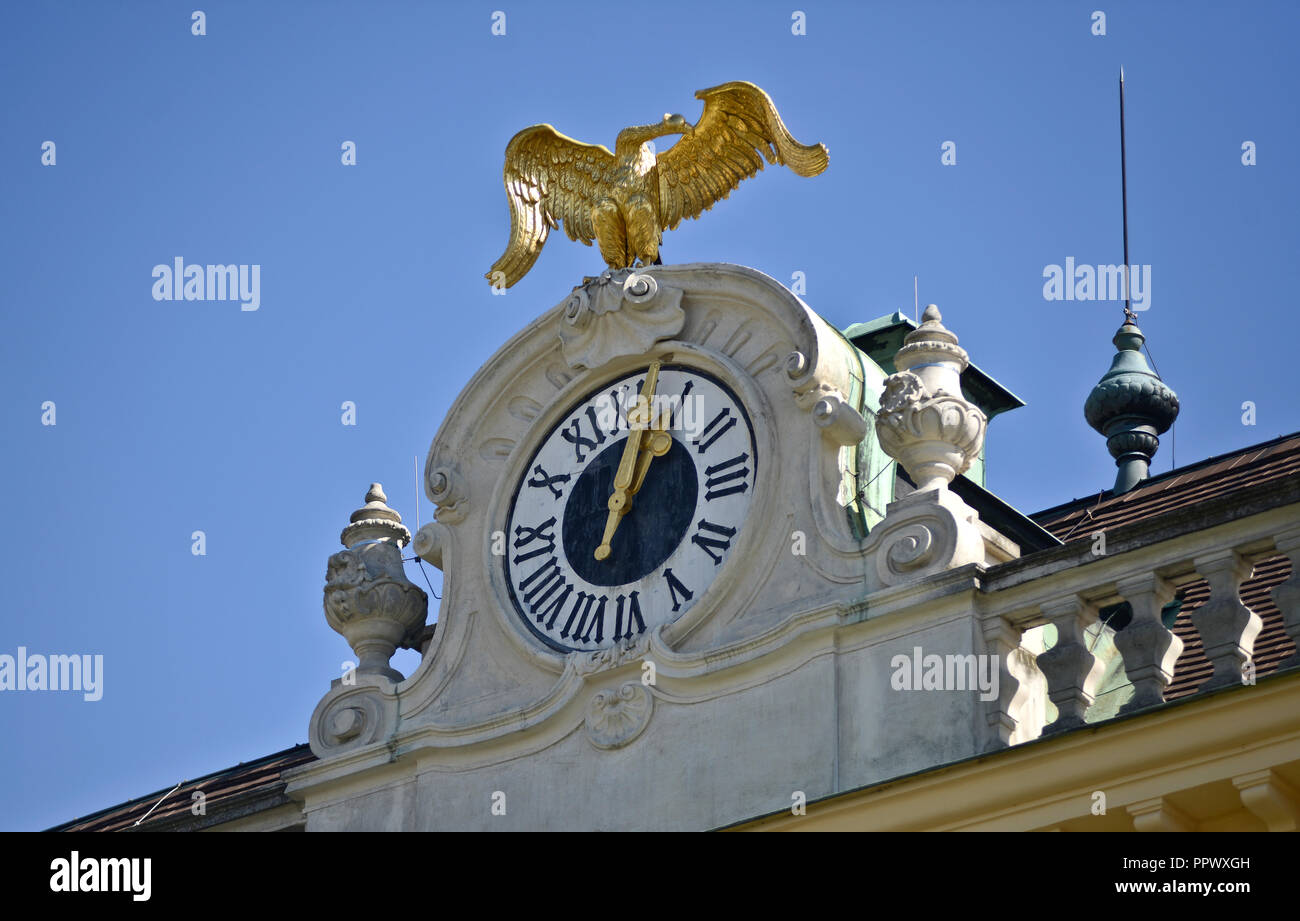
(1123, 185)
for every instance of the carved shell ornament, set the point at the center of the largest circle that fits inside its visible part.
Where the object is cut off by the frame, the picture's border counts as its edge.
(615, 718)
(616, 314)
(624, 200)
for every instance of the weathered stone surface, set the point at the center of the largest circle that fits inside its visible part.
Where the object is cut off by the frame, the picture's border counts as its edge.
(1227, 627)
(1071, 668)
(1287, 595)
(368, 598)
(790, 663)
(1148, 647)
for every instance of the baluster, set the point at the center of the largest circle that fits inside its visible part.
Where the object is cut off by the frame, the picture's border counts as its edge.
(1072, 670)
(1287, 595)
(1227, 627)
(1149, 649)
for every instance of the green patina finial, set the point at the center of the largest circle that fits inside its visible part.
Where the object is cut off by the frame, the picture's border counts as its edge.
(1131, 406)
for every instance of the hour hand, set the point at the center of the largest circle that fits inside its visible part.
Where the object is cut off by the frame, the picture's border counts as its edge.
(618, 503)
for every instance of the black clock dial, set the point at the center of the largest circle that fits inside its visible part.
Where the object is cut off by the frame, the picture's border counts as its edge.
(649, 533)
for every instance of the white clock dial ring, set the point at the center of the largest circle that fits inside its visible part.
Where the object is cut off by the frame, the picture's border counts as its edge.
(692, 502)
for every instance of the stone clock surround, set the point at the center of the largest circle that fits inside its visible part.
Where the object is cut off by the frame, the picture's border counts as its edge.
(776, 680)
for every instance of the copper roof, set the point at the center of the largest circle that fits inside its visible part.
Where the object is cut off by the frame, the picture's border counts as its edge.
(1181, 488)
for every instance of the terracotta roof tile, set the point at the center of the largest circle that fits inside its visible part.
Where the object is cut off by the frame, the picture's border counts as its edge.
(221, 788)
(1177, 489)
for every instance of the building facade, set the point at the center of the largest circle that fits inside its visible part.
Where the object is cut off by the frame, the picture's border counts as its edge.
(709, 562)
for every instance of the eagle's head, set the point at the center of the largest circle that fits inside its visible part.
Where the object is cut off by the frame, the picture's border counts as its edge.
(678, 123)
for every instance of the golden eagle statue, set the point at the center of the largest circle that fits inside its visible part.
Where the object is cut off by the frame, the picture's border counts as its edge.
(625, 200)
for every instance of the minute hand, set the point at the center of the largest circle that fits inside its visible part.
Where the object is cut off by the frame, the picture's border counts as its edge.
(620, 499)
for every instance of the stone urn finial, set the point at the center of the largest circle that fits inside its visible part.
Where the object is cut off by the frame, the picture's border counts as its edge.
(924, 421)
(368, 598)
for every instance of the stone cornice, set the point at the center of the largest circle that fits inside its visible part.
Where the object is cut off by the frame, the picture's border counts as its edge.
(1041, 783)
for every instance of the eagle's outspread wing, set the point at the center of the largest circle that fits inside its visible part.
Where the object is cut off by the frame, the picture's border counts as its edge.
(739, 122)
(549, 179)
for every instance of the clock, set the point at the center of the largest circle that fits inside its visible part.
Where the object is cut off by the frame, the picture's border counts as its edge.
(629, 507)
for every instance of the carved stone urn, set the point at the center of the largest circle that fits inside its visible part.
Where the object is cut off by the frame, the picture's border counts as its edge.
(924, 421)
(368, 598)
(926, 425)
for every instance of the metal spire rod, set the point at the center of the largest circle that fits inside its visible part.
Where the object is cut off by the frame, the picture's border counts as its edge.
(1123, 184)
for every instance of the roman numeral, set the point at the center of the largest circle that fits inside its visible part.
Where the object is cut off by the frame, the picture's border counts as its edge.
(554, 607)
(618, 399)
(680, 405)
(716, 478)
(675, 587)
(573, 434)
(548, 580)
(545, 581)
(708, 543)
(622, 629)
(525, 535)
(592, 620)
(540, 479)
(723, 421)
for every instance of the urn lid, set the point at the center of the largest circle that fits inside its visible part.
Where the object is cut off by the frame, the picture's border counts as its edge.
(375, 521)
(931, 343)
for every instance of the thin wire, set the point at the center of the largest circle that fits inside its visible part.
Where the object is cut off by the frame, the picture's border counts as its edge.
(862, 493)
(1173, 428)
(1102, 626)
(415, 469)
(157, 804)
(426, 580)
(416, 559)
(1086, 516)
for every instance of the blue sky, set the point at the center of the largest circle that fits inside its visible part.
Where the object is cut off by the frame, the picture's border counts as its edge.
(174, 416)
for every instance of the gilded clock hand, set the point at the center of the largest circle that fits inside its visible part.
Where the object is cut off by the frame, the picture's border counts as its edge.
(620, 500)
(654, 444)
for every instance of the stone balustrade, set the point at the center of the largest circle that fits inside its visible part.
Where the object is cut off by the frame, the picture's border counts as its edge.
(1067, 588)
(928, 426)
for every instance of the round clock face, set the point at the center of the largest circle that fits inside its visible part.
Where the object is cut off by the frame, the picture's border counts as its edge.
(628, 509)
